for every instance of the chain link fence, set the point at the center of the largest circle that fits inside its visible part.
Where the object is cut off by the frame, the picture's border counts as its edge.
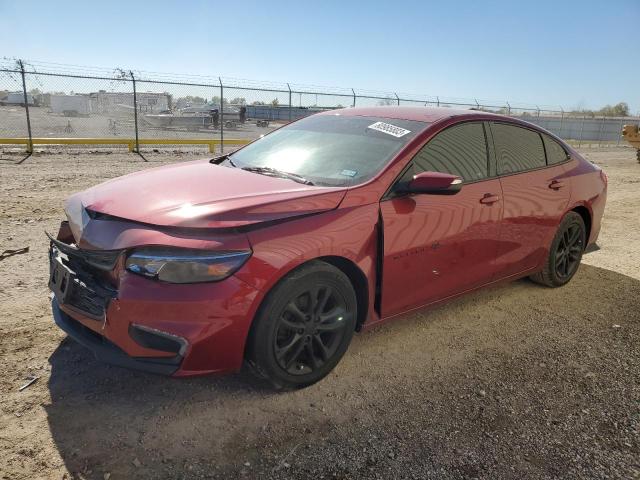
(46, 103)
(13, 122)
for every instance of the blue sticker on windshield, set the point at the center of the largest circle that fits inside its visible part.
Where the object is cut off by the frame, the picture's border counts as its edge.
(349, 173)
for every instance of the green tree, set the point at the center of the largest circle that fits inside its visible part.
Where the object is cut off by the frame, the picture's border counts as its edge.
(194, 100)
(618, 110)
(216, 101)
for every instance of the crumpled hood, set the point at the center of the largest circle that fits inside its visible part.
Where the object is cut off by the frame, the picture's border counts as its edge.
(202, 195)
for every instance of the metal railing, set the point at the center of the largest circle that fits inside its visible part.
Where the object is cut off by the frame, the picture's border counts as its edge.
(46, 103)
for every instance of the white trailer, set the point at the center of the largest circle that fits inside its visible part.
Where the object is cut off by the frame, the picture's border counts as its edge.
(16, 98)
(71, 105)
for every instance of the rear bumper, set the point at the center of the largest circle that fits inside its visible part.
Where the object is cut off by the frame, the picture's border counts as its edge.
(108, 352)
(597, 212)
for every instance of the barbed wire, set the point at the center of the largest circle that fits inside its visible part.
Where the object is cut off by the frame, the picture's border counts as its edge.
(11, 66)
(121, 73)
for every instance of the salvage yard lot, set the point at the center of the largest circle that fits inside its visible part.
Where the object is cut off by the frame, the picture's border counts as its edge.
(50, 125)
(510, 382)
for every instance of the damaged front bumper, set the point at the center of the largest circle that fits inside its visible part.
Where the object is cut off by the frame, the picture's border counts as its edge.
(107, 351)
(135, 322)
(77, 280)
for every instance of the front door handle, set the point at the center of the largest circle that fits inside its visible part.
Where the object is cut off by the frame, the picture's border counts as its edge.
(489, 198)
(556, 185)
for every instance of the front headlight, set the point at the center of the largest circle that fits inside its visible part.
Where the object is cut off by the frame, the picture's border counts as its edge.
(182, 265)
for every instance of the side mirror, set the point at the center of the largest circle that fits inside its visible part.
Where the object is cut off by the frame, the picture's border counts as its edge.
(435, 183)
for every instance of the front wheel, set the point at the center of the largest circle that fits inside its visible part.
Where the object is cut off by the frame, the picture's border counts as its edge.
(565, 253)
(304, 326)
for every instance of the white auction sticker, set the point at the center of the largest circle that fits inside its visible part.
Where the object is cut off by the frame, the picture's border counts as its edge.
(390, 129)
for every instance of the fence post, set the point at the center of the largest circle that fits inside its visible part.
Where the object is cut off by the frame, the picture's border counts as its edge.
(581, 130)
(26, 107)
(438, 98)
(561, 122)
(290, 111)
(508, 109)
(620, 131)
(135, 111)
(354, 97)
(221, 117)
(601, 132)
(397, 97)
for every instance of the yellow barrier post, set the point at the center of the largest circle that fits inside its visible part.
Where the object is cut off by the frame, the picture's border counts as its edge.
(123, 141)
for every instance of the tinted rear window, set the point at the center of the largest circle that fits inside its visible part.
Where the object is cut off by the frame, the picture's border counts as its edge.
(517, 149)
(555, 152)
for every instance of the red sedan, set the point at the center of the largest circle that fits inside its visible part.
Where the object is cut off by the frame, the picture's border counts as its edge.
(276, 254)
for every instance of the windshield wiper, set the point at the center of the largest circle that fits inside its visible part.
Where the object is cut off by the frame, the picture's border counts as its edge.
(278, 173)
(222, 158)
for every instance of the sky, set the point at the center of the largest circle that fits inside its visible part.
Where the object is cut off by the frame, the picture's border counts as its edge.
(569, 54)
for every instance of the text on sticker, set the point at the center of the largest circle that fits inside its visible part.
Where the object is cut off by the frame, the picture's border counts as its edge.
(389, 129)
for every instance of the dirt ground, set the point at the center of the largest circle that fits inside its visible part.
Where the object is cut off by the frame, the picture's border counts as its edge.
(516, 381)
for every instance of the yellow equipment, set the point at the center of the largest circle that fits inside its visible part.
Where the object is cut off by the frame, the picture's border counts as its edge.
(631, 134)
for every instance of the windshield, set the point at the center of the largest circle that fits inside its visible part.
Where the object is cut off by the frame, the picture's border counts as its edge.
(331, 150)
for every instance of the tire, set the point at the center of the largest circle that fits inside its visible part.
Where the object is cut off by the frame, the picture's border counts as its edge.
(295, 340)
(565, 252)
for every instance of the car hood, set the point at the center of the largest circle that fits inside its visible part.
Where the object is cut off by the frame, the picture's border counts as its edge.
(201, 195)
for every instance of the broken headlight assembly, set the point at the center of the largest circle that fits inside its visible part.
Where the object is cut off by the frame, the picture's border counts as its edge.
(181, 265)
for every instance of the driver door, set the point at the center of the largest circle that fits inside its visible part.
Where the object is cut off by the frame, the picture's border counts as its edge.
(436, 246)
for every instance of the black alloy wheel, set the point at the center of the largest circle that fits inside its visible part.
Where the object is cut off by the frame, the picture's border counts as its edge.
(303, 327)
(310, 330)
(569, 251)
(565, 253)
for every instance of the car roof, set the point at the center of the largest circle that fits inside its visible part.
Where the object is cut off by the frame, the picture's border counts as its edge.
(421, 114)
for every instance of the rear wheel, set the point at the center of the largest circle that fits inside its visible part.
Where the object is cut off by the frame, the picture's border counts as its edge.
(304, 326)
(565, 253)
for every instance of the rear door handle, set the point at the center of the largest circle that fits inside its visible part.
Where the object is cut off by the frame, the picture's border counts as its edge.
(556, 185)
(489, 198)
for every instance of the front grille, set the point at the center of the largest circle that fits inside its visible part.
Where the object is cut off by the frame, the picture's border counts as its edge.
(90, 297)
(89, 292)
(101, 259)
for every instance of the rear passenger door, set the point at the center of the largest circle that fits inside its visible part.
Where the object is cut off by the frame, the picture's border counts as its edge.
(436, 246)
(536, 193)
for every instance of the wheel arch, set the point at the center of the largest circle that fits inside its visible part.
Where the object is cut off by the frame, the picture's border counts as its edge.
(358, 280)
(353, 272)
(347, 266)
(586, 214)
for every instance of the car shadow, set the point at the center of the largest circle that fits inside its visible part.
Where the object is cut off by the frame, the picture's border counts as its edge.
(103, 418)
(97, 408)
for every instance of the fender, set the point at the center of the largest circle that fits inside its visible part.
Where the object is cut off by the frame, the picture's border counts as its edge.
(349, 233)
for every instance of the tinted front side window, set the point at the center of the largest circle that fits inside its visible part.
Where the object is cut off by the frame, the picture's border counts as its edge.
(555, 153)
(517, 149)
(460, 150)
